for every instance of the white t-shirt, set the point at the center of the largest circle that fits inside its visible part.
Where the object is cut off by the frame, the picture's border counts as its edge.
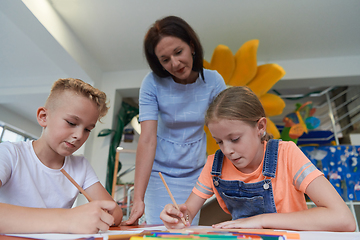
(26, 181)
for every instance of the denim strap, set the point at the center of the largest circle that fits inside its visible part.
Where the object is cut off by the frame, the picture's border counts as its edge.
(270, 159)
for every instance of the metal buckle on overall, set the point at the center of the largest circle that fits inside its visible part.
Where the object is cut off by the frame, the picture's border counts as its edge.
(216, 182)
(266, 185)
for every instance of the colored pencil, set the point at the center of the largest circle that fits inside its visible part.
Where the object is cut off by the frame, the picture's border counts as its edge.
(171, 196)
(124, 236)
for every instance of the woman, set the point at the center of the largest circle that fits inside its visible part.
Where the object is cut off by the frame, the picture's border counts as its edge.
(173, 100)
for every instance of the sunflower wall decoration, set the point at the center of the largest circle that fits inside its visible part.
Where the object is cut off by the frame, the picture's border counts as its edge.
(241, 69)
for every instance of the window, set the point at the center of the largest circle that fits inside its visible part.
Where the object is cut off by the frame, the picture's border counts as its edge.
(11, 135)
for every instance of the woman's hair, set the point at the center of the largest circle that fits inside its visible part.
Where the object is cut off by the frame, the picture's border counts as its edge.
(174, 27)
(79, 87)
(236, 103)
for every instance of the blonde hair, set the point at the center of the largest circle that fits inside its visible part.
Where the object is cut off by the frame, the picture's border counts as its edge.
(79, 87)
(236, 103)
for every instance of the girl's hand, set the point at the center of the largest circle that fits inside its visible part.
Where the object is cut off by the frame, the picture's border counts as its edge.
(250, 222)
(172, 217)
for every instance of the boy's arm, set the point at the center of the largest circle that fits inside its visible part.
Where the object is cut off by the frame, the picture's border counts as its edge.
(88, 218)
(331, 213)
(98, 192)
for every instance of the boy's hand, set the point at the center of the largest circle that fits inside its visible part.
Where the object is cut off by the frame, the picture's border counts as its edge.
(90, 217)
(172, 217)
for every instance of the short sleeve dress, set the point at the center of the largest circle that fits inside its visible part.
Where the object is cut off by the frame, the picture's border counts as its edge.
(181, 140)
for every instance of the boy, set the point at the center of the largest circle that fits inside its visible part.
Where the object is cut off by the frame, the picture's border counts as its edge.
(34, 195)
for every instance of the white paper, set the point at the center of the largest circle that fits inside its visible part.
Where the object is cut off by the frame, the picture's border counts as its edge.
(101, 234)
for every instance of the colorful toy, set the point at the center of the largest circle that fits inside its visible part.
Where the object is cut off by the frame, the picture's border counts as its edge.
(298, 122)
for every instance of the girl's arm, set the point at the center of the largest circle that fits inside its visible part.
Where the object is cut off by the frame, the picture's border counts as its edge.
(145, 155)
(98, 192)
(331, 213)
(172, 217)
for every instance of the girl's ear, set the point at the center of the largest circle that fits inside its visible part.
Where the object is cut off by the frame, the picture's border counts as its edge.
(261, 125)
(41, 116)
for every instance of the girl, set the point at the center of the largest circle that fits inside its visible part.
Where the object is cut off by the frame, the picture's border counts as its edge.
(260, 181)
(172, 104)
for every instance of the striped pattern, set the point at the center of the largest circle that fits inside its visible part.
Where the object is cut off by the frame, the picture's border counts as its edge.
(204, 189)
(301, 174)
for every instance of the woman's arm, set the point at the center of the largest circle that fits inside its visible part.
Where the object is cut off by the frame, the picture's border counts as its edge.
(331, 213)
(145, 155)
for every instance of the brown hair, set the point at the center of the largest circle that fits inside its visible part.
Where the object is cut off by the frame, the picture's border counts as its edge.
(236, 103)
(175, 27)
(79, 87)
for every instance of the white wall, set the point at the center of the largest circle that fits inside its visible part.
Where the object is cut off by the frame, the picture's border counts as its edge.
(340, 71)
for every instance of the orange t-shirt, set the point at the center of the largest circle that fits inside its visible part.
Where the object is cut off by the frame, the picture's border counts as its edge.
(294, 172)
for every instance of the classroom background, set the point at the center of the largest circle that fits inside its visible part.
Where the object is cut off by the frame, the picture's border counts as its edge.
(100, 41)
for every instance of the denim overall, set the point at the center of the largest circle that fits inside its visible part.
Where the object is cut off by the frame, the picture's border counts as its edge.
(248, 199)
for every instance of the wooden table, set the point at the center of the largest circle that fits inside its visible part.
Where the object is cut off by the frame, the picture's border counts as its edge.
(304, 235)
(121, 228)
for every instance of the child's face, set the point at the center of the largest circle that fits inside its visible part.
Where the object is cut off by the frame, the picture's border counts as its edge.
(240, 143)
(69, 123)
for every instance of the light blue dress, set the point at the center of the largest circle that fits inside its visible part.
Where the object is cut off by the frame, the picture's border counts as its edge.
(181, 140)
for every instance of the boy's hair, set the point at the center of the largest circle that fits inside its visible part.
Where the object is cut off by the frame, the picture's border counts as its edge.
(81, 88)
(236, 103)
(174, 27)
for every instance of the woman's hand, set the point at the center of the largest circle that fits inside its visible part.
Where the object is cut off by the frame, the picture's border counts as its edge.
(172, 217)
(137, 211)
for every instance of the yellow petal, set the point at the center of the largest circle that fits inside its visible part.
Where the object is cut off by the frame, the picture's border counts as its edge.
(273, 104)
(245, 63)
(211, 145)
(267, 75)
(272, 129)
(223, 61)
(206, 64)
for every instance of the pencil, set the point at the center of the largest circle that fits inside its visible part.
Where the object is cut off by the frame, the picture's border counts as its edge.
(171, 196)
(76, 185)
